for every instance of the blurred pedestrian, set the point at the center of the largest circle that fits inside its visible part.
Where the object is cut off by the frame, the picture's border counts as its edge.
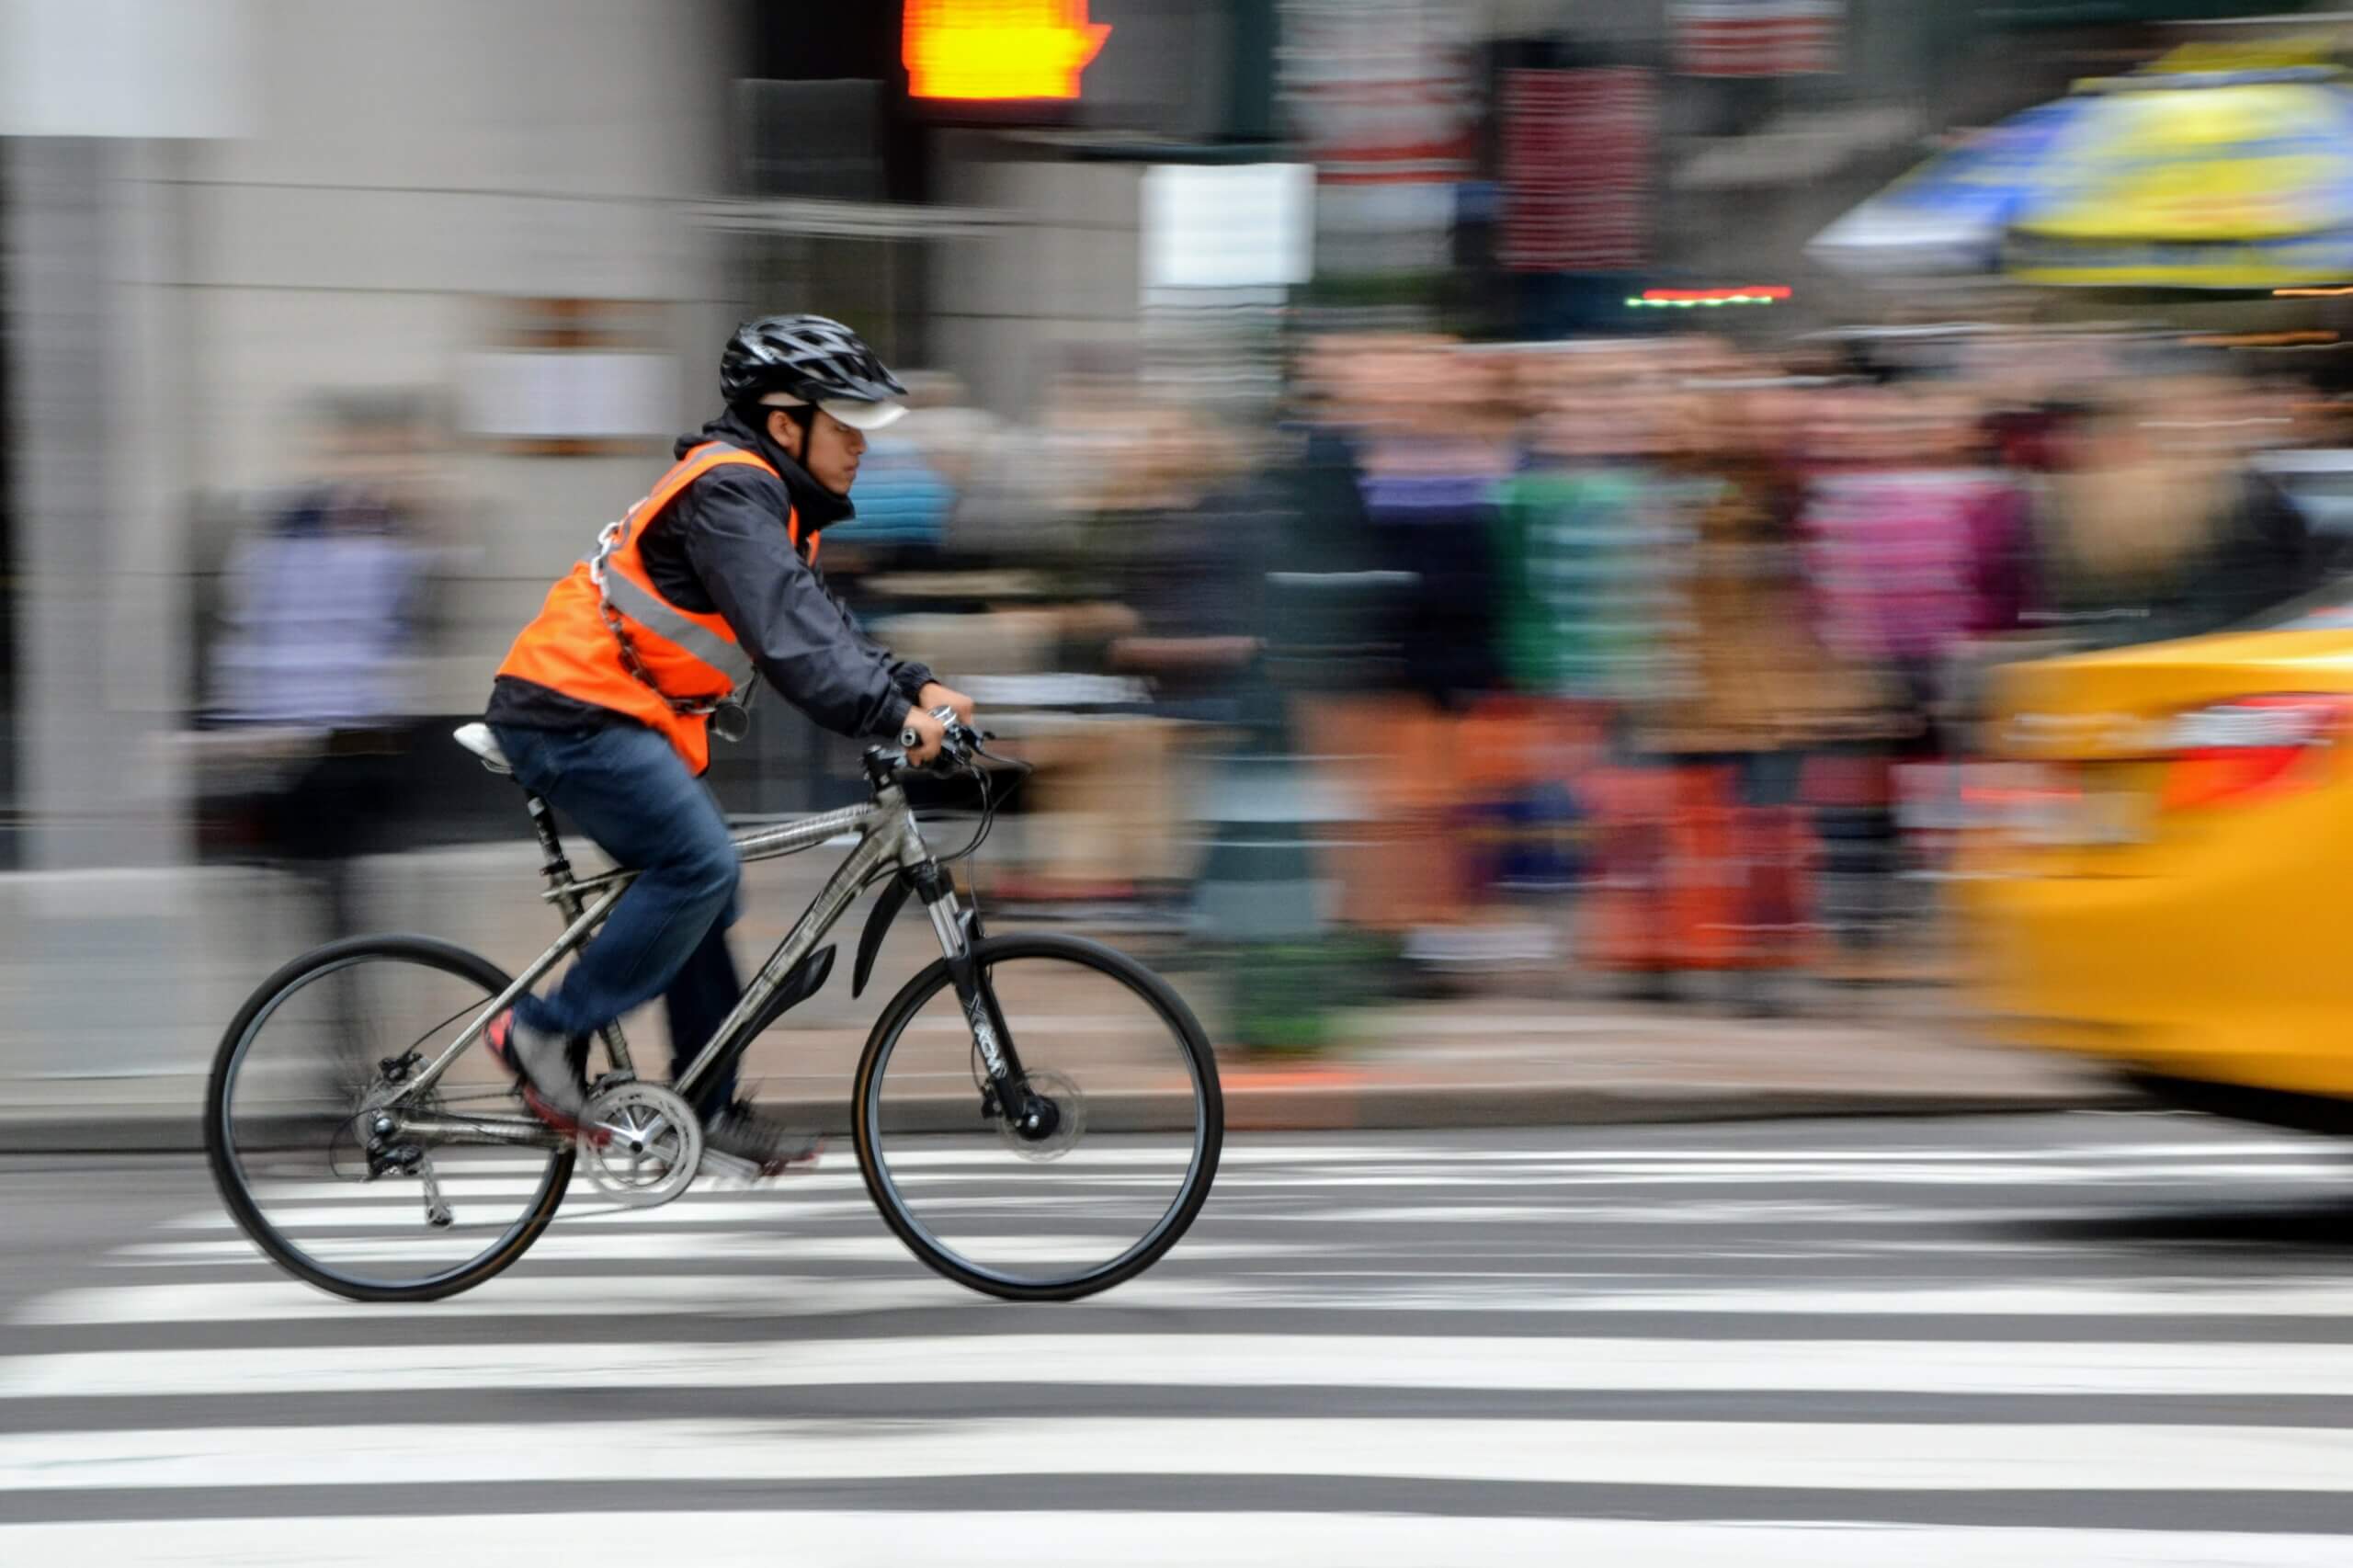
(1911, 542)
(308, 694)
(1761, 691)
(1587, 552)
(2155, 524)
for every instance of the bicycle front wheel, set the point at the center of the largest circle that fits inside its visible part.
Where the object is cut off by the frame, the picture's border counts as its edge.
(1053, 1213)
(290, 1110)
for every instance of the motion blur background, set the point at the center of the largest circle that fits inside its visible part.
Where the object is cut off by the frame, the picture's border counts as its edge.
(1455, 545)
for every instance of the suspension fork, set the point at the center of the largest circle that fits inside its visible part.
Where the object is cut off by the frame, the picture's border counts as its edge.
(959, 929)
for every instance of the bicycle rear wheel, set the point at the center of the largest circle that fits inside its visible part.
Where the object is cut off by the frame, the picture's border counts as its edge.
(287, 1115)
(1138, 1121)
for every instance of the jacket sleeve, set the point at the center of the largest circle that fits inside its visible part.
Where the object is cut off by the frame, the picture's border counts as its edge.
(908, 676)
(798, 636)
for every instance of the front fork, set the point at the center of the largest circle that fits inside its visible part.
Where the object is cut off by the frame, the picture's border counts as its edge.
(1008, 1094)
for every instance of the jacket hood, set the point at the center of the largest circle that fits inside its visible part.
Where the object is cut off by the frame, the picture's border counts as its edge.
(817, 506)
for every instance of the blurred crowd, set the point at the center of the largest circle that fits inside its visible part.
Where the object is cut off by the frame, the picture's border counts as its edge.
(1618, 663)
(1636, 661)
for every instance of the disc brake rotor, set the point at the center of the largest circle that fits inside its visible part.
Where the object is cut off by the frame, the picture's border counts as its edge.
(1069, 1124)
(641, 1144)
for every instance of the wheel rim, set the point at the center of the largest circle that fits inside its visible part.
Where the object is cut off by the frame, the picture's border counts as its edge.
(292, 1135)
(1053, 1211)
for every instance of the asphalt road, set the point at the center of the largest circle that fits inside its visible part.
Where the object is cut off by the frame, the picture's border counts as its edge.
(2071, 1340)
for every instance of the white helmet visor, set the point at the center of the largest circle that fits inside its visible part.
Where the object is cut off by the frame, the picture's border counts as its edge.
(856, 414)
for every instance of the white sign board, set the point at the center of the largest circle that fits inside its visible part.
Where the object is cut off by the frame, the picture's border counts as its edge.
(129, 68)
(1229, 226)
(569, 394)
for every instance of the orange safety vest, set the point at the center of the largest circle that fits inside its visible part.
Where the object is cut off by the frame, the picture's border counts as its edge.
(690, 662)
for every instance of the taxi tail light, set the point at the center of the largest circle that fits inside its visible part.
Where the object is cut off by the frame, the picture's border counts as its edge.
(2252, 747)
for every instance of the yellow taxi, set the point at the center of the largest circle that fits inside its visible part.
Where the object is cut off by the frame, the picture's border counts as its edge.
(2167, 882)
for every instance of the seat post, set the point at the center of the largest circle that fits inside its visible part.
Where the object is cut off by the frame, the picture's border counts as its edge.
(554, 866)
(557, 869)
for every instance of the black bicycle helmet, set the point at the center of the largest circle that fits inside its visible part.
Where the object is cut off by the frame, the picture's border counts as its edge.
(795, 361)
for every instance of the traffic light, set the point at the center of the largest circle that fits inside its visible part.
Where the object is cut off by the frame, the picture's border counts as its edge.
(998, 51)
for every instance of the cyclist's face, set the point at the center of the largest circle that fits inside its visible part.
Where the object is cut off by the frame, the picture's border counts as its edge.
(830, 450)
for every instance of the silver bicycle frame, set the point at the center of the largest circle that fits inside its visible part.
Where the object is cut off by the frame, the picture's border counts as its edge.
(887, 837)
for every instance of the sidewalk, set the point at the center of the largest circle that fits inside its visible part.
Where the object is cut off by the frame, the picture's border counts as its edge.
(124, 1065)
(1428, 1065)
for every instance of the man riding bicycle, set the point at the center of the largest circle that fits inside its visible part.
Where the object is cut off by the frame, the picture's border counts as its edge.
(605, 704)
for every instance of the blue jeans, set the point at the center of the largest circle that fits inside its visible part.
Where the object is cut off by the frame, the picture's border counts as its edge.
(624, 787)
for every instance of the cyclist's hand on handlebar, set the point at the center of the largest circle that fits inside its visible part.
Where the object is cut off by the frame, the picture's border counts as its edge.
(920, 736)
(934, 696)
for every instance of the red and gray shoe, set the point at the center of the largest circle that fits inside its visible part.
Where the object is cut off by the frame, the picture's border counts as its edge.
(543, 1067)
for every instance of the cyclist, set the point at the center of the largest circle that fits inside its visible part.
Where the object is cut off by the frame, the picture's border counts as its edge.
(605, 703)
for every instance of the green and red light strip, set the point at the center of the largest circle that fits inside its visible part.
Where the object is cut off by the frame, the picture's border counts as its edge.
(1685, 299)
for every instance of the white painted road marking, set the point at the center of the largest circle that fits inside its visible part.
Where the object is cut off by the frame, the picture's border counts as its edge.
(1861, 1455)
(1216, 1360)
(1089, 1540)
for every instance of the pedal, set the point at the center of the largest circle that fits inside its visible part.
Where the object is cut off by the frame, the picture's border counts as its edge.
(727, 1168)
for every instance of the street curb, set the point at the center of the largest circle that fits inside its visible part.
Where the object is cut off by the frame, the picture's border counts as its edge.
(1311, 1107)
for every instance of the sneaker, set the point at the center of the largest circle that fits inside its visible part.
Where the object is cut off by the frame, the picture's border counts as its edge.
(552, 1083)
(740, 1132)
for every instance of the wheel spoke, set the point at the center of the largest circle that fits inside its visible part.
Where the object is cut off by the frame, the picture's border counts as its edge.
(1112, 1161)
(308, 1175)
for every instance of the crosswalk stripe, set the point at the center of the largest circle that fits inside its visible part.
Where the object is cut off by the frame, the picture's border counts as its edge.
(1792, 1175)
(1541, 1294)
(278, 1300)
(1211, 1360)
(1008, 1182)
(1243, 1149)
(2279, 1148)
(597, 1210)
(1853, 1457)
(1311, 1249)
(622, 1297)
(606, 1246)
(1234, 1539)
(1508, 1205)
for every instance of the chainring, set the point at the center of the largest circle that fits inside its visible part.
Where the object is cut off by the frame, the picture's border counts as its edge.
(1069, 1103)
(641, 1144)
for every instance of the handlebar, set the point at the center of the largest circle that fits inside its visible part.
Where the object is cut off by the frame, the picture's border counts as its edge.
(961, 745)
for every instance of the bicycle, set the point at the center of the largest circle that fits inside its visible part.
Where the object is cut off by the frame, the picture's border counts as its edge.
(1142, 1144)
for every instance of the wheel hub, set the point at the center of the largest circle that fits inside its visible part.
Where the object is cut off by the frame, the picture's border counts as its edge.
(1053, 1122)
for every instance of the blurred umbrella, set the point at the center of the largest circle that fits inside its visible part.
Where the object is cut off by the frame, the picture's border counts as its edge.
(2178, 176)
(1947, 217)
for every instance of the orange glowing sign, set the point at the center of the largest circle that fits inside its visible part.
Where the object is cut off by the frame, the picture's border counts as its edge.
(998, 51)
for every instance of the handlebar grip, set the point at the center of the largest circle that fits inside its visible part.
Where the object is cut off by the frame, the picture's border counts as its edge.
(956, 743)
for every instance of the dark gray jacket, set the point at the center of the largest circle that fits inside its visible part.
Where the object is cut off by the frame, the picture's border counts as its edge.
(722, 546)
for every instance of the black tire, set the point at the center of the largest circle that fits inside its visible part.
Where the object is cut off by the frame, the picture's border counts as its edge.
(227, 1171)
(1208, 1135)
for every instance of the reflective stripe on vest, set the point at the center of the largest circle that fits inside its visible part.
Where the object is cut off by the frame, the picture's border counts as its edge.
(607, 636)
(657, 615)
(619, 569)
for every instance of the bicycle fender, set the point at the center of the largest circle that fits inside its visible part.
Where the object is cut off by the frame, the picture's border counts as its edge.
(878, 925)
